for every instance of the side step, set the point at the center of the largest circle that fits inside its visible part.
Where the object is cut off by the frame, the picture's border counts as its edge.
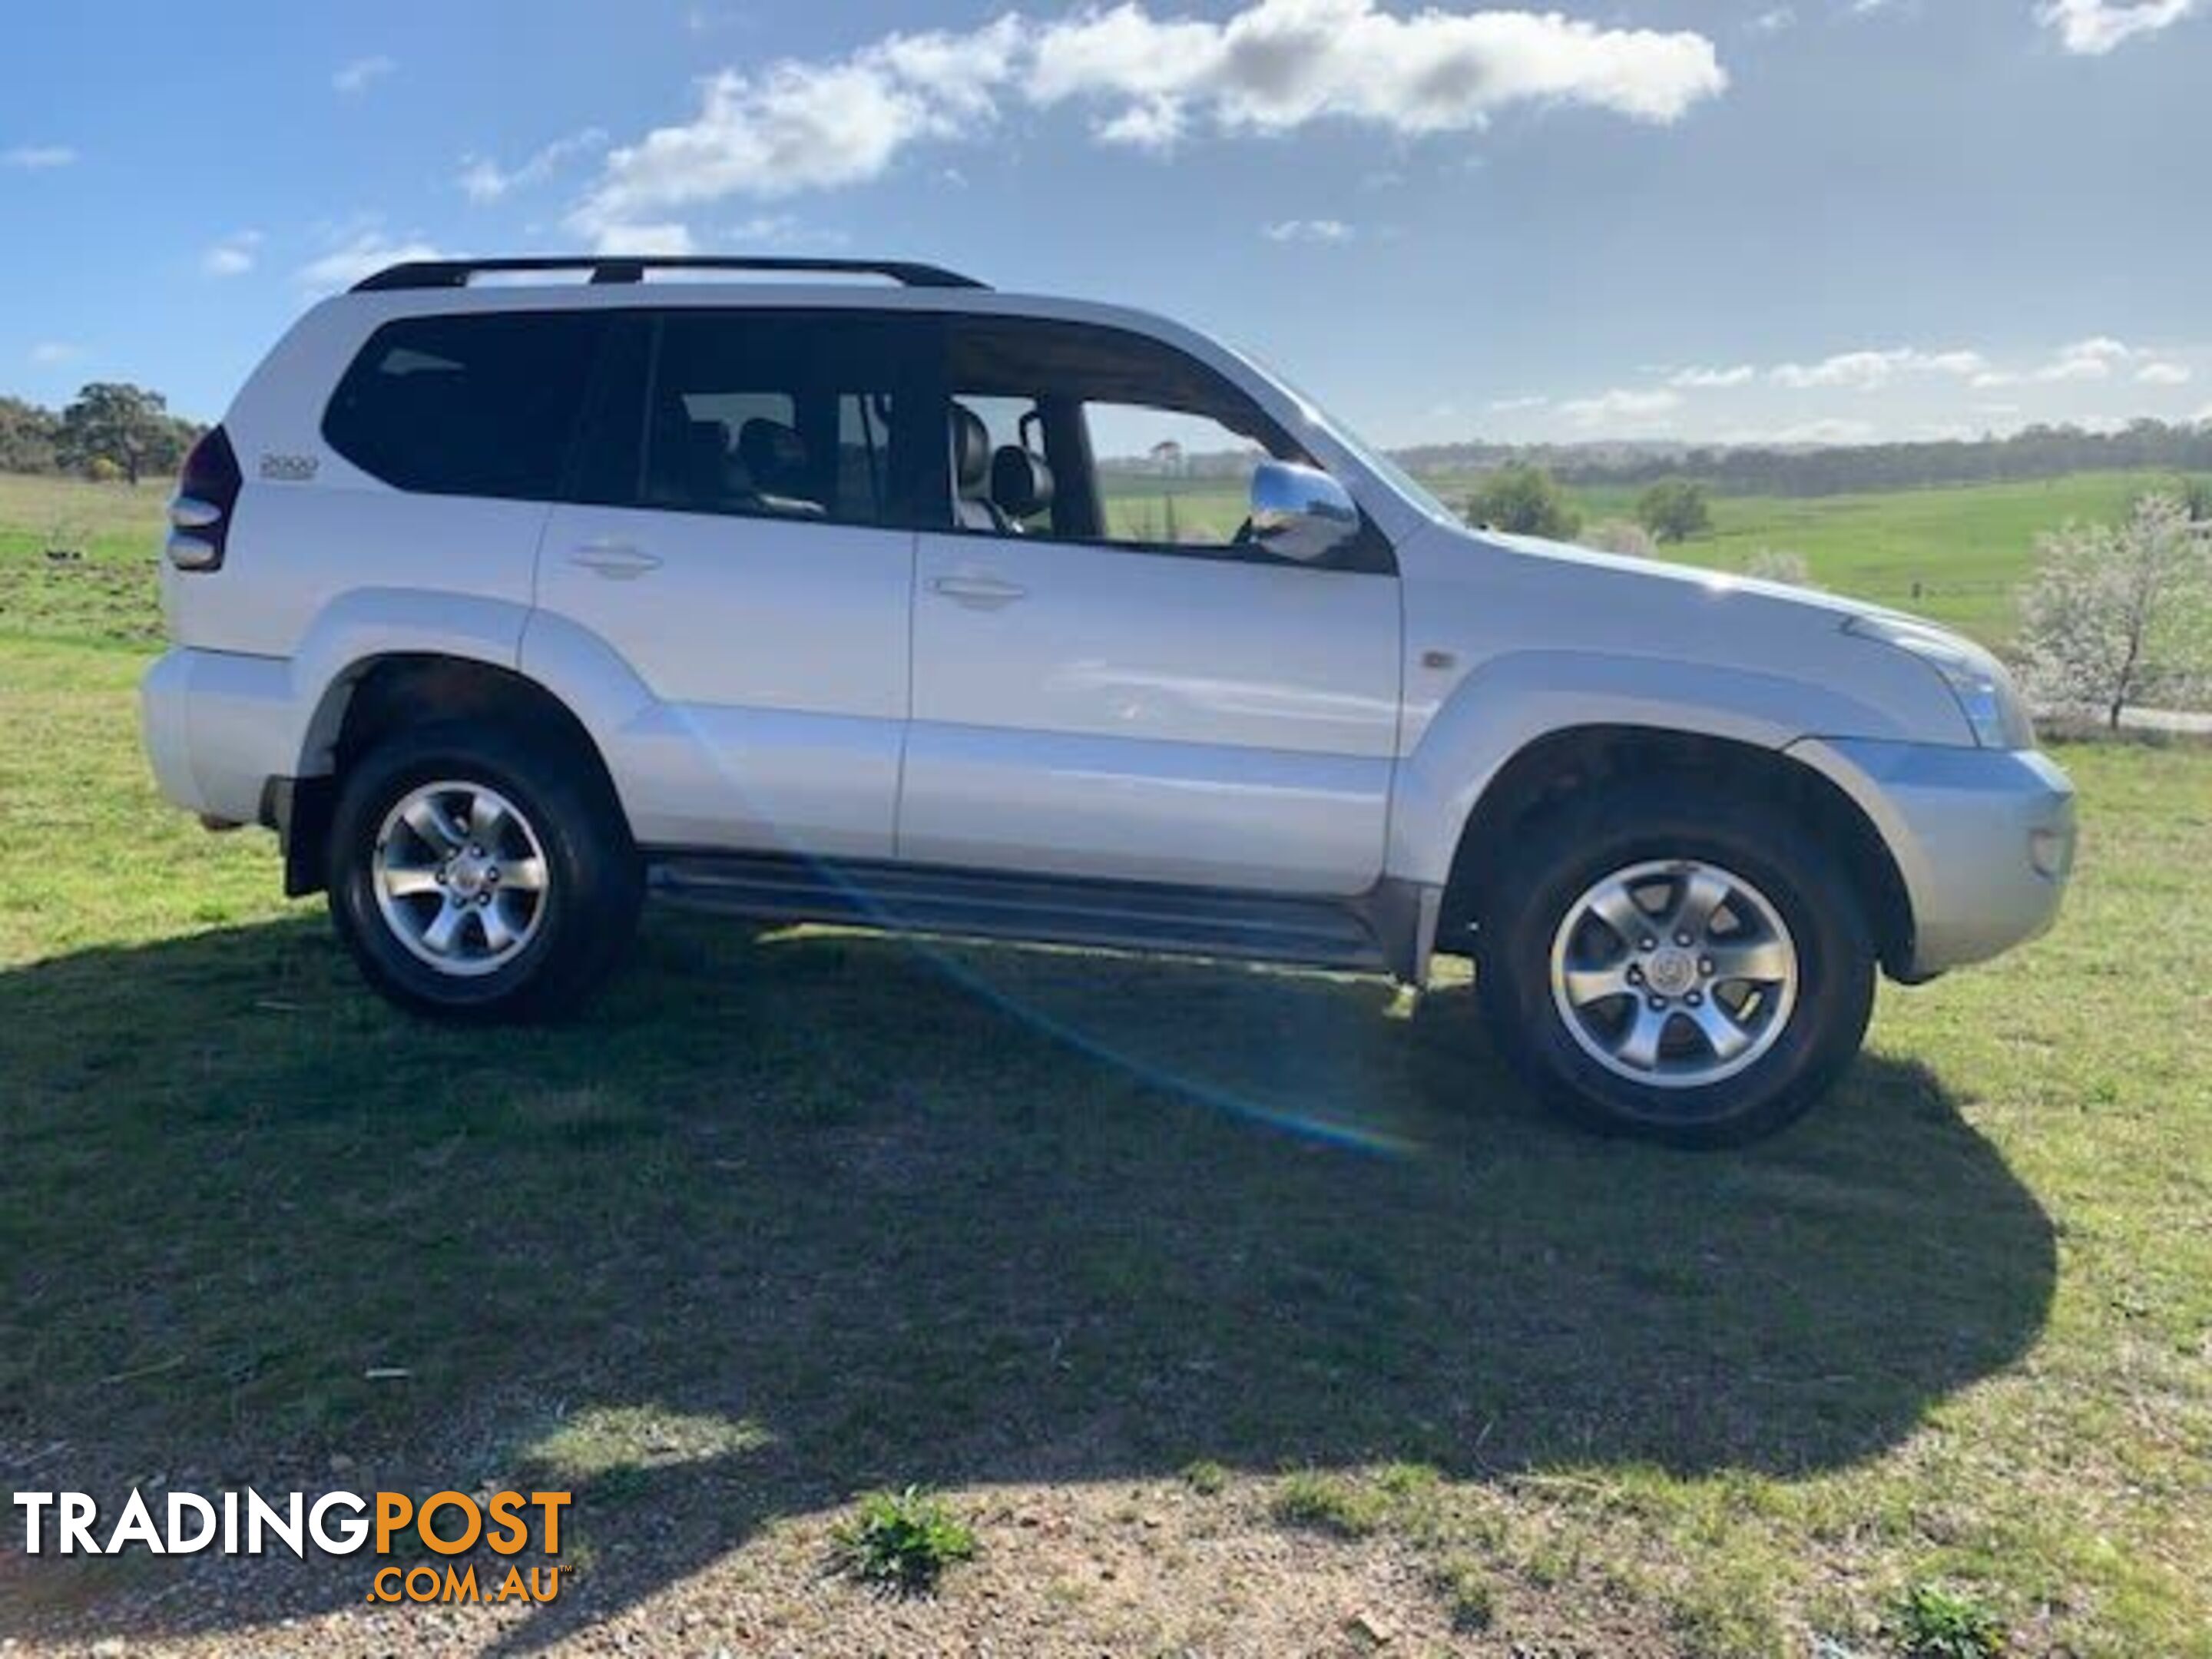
(1042, 909)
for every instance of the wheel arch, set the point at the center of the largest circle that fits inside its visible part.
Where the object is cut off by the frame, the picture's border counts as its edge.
(377, 695)
(1553, 768)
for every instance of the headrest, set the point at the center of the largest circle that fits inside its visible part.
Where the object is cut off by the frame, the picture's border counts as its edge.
(770, 450)
(971, 450)
(1021, 483)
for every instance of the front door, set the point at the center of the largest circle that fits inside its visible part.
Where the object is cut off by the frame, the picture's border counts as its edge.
(1108, 681)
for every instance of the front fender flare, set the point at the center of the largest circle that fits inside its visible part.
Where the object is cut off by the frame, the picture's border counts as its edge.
(1512, 701)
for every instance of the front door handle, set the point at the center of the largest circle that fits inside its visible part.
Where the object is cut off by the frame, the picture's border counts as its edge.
(978, 592)
(617, 561)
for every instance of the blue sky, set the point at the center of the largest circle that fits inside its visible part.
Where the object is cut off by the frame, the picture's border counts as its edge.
(1797, 219)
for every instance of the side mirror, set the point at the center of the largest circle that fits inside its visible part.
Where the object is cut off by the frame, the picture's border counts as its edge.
(1300, 512)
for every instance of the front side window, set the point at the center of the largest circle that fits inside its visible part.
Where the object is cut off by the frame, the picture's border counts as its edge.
(482, 404)
(1082, 433)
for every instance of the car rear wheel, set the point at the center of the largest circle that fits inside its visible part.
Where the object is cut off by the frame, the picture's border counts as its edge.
(478, 873)
(1664, 964)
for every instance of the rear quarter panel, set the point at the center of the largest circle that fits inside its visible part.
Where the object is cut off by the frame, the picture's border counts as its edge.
(310, 527)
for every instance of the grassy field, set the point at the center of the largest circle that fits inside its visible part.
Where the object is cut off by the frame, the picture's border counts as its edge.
(1238, 1312)
(103, 588)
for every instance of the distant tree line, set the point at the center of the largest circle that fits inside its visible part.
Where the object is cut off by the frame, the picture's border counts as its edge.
(110, 430)
(2035, 451)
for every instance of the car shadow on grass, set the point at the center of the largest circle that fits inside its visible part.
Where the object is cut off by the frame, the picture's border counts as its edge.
(792, 1216)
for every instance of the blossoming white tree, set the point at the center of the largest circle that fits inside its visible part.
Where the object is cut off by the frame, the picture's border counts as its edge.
(1779, 564)
(2118, 613)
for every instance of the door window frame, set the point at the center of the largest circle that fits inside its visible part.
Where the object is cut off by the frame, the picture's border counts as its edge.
(617, 413)
(1067, 432)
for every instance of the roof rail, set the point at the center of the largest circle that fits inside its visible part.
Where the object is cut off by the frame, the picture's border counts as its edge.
(623, 268)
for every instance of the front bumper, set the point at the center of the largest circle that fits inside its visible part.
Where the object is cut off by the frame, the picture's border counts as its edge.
(1984, 838)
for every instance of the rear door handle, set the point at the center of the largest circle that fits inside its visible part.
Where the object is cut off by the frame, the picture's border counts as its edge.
(979, 593)
(617, 561)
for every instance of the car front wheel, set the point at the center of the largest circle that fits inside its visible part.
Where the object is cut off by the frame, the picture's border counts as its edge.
(1664, 965)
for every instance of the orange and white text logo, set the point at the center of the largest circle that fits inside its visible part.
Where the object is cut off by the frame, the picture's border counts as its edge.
(447, 1524)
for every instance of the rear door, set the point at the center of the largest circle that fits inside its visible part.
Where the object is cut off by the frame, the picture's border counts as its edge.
(1108, 683)
(739, 530)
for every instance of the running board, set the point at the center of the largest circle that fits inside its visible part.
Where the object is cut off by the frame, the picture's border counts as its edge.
(1316, 932)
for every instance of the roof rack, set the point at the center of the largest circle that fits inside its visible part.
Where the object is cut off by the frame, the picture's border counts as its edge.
(456, 273)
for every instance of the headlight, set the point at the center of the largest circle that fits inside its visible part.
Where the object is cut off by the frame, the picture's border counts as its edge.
(1983, 691)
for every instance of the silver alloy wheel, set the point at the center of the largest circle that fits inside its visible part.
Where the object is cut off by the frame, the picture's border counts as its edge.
(1676, 974)
(461, 878)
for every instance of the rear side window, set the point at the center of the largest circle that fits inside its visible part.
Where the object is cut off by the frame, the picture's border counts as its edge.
(807, 416)
(467, 405)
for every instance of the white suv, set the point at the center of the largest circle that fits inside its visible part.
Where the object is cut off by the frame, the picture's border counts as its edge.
(830, 590)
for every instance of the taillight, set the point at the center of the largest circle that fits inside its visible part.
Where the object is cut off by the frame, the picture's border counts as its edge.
(207, 491)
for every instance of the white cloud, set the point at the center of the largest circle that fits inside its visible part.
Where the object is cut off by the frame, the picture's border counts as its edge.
(38, 158)
(2085, 360)
(2100, 347)
(1157, 124)
(1773, 21)
(797, 126)
(232, 256)
(1279, 64)
(365, 253)
(1706, 378)
(2165, 375)
(482, 180)
(2094, 27)
(358, 76)
(1863, 370)
(1621, 407)
(1870, 371)
(668, 238)
(1308, 230)
(801, 124)
(50, 354)
(1509, 405)
(782, 230)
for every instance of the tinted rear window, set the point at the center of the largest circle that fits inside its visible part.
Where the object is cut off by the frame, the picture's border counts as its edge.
(802, 415)
(469, 405)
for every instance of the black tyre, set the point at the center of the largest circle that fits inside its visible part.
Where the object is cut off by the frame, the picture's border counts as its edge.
(480, 872)
(1657, 963)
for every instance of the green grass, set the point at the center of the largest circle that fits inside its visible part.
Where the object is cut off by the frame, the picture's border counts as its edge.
(791, 1215)
(1957, 555)
(1935, 1622)
(903, 1542)
(1330, 1503)
(106, 592)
